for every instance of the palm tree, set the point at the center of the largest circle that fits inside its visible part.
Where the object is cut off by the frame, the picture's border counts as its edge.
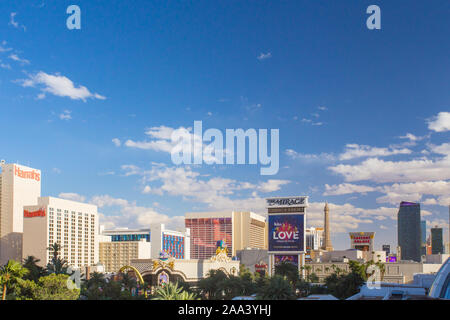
(128, 282)
(308, 270)
(288, 270)
(57, 265)
(171, 291)
(10, 273)
(36, 271)
(277, 288)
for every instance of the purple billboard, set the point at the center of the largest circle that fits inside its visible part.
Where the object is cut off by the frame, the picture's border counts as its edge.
(286, 233)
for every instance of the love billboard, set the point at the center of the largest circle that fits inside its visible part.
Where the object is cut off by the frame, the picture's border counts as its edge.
(286, 233)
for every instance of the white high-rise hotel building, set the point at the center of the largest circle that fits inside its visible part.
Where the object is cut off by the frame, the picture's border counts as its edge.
(71, 224)
(29, 223)
(19, 186)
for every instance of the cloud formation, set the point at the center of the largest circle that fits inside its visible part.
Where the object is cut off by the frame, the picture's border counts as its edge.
(59, 85)
(440, 122)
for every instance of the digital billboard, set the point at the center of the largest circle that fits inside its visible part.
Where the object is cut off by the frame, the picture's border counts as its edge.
(286, 233)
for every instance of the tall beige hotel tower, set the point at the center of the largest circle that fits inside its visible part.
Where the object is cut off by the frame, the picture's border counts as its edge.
(19, 186)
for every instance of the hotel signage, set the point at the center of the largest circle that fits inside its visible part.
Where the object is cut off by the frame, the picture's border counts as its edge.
(287, 202)
(32, 175)
(32, 214)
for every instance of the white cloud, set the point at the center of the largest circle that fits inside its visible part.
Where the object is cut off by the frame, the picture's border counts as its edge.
(128, 214)
(65, 115)
(414, 192)
(213, 192)
(325, 157)
(346, 188)
(59, 86)
(72, 196)
(305, 120)
(396, 198)
(116, 142)
(441, 149)
(322, 108)
(161, 140)
(3, 48)
(440, 122)
(15, 57)
(411, 137)
(264, 56)
(5, 65)
(272, 185)
(382, 171)
(14, 23)
(357, 151)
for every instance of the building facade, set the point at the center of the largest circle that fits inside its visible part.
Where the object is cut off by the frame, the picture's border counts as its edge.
(314, 242)
(362, 241)
(19, 186)
(237, 229)
(386, 248)
(176, 244)
(314, 238)
(117, 254)
(73, 225)
(409, 231)
(125, 234)
(437, 241)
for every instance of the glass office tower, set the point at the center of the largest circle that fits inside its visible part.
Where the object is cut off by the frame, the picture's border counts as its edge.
(437, 243)
(409, 231)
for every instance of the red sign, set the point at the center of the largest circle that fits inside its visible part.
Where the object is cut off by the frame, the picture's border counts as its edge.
(31, 214)
(33, 174)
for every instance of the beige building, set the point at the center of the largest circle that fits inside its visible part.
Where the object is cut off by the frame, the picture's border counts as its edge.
(73, 225)
(117, 254)
(19, 186)
(249, 231)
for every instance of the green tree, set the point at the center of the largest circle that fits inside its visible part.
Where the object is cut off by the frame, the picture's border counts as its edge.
(55, 287)
(24, 290)
(35, 271)
(128, 282)
(171, 291)
(92, 289)
(277, 288)
(343, 285)
(211, 287)
(288, 270)
(10, 273)
(56, 264)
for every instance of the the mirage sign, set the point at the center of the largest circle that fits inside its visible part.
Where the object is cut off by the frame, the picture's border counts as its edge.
(287, 202)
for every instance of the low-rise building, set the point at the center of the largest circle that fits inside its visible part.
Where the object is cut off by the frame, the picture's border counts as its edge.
(256, 260)
(398, 272)
(117, 254)
(156, 272)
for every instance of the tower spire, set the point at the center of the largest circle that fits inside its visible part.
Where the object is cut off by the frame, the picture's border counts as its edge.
(327, 246)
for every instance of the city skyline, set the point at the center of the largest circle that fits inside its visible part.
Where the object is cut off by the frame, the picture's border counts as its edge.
(363, 116)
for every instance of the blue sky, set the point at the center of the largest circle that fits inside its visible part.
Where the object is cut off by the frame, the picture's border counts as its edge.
(92, 108)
